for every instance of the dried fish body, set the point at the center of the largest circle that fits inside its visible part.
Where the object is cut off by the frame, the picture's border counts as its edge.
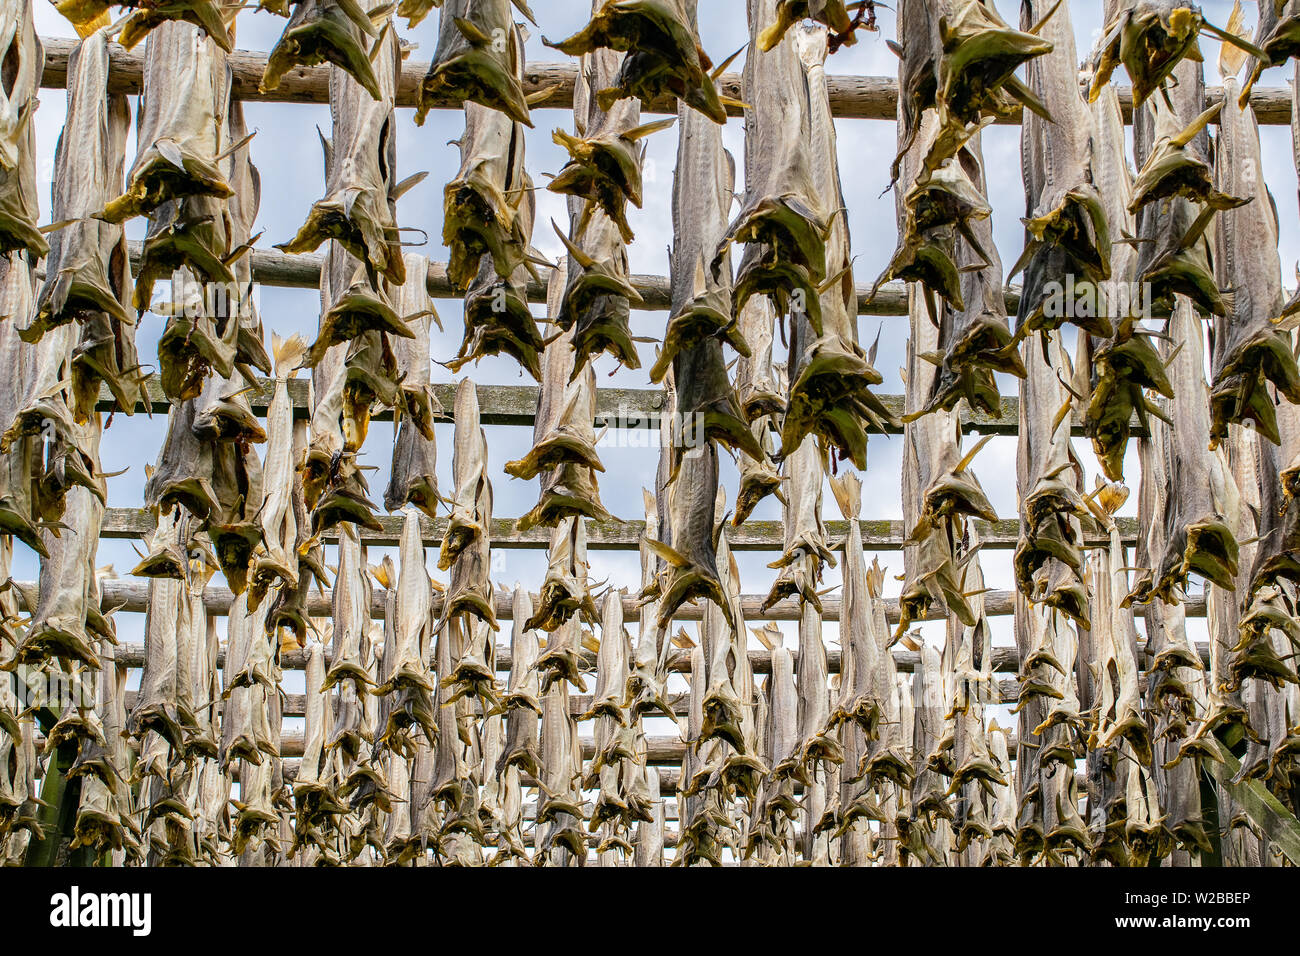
(703, 188)
(973, 341)
(315, 801)
(278, 519)
(806, 549)
(1049, 559)
(479, 58)
(776, 804)
(19, 206)
(781, 218)
(819, 750)
(361, 191)
(322, 31)
(1249, 348)
(830, 374)
(834, 14)
(1067, 232)
(155, 709)
(87, 276)
(522, 700)
(407, 685)
(562, 808)
(179, 125)
(1152, 38)
(664, 56)
(857, 701)
(57, 627)
(351, 615)
(1277, 37)
(489, 207)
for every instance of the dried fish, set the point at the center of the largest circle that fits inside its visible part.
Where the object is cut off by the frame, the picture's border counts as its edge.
(805, 549)
(361, 190)
(479, 58)
(489, 206)
(1067, 233)
(407, 686)
(334, 31)
(781, 219)
(19, 207)
(522, 700)
(834, 14)
(1151, 38)
(147, 15)
(1249, 349)
(87, 276)
(413, 478)
(664, 56)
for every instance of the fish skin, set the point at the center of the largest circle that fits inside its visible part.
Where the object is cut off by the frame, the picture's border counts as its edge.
(489, 207)
(780, 220)
(664, 56)
(564, 592)
(407, 685)
(87, 276)
(322, 31)
(361, 189)
(498, 320)
(806, 550)
(522, 700)
(479, 58)
(1067, 230)
(179, 126)
(830, 373)
(564, 437)
(1248, 348)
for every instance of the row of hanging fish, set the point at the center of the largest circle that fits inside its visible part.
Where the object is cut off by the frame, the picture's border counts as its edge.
(424, 739)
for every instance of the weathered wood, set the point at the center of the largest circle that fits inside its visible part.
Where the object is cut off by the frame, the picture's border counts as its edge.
(851, 97)
(638, 408)
(1274, 820)
(132, 595)
(616, 535)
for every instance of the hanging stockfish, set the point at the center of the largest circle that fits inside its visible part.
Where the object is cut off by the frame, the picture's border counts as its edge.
(87, 278)
(1175, 250)
(60, 626)
(25, 59)
(939, 492)
(413, 478)
(781, 220)
(564, 436)
(214, 18)
(771, 823)
(104, 820)
(648, 673)
(806, 549)
(360, 205)
(664, 57)
(1152, 38)
(929, 830)
(760, 386)
(22, 455)
(969, 686)
(699, 799)
(612, 769)
(277, 561)
(488, 209)
(522, 700)
(479, 58)
(562, 841)
(830, 374)
(833, 14)
(650, 835)
(1249, 349)
(1277, 37)
(315, 802)
(341, 32)
(466, 548)
(1120, 367)
(1067, 234)
(973, 341)
(998, 850)
(183, 106)
(406, 686)
(857, 702)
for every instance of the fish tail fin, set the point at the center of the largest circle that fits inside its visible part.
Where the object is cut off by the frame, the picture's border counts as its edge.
(1231, 56)
(847, 489)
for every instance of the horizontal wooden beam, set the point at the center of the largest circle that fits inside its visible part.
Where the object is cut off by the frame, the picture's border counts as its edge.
(851, 97)
(132, 595)
(302, 271)
(617, 535)
(630, 408)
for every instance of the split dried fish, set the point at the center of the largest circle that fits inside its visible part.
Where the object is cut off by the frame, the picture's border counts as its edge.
(87, 275)
(361, 189)
(1151, 38)
(780, 220)
(1249, 349)
(1067, 230)
(19, 206)
(147, 15)
(664, 56)
(479, 58)
(489, 207)
(413, 478)
(334, 31)
(830, 374)
(834, 14)
(805, 549)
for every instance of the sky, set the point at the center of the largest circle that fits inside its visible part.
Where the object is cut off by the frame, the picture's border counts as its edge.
(287, 153)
